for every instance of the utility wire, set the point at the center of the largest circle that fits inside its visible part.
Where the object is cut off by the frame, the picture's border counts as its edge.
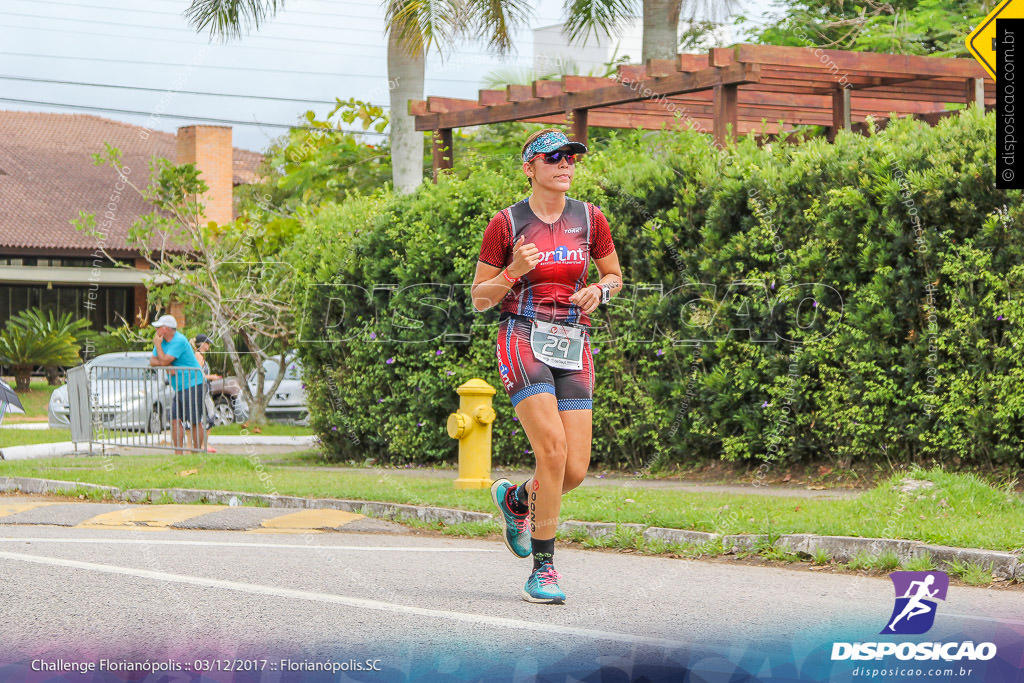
(191, 118)
(183, 92)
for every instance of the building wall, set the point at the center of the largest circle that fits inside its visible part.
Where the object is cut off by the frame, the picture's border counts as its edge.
(550, 47)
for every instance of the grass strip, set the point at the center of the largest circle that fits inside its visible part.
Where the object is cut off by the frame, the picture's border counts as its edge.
(956, 510)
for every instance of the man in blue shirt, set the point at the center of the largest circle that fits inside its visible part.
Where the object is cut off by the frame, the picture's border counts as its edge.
(172, 350)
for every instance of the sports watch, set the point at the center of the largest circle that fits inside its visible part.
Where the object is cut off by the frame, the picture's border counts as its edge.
(606, 294)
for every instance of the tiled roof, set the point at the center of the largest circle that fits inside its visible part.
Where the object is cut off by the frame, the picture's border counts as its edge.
(47, 176)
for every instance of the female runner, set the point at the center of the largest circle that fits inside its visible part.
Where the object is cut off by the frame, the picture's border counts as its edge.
(534, 261)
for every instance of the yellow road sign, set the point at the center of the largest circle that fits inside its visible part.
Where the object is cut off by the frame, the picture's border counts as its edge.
(981, 40)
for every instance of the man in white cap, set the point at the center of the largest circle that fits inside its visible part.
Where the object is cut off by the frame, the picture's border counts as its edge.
(172, 350)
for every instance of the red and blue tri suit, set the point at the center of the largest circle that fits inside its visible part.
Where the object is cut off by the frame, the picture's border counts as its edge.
(566, 247)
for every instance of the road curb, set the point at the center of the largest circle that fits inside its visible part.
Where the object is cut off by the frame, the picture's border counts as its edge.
(1003, 565)
(394, 511)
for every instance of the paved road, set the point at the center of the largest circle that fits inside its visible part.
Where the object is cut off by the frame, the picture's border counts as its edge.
(431, 606)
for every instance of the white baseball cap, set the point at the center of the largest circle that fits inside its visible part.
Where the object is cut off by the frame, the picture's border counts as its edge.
(166, 321)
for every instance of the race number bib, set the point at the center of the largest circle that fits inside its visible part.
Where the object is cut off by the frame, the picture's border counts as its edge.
(557, 346)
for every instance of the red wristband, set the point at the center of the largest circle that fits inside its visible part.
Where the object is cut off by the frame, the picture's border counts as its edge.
(511, 281)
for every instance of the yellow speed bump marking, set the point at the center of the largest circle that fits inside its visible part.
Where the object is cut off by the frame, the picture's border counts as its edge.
(14, 508)
(311, 519)
(261, 530)
(158, 516)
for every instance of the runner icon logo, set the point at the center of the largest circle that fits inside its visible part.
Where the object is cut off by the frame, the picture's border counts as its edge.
(914, 611)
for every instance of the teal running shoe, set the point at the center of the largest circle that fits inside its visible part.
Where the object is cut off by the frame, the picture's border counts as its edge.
(516, 528)
(542, 586)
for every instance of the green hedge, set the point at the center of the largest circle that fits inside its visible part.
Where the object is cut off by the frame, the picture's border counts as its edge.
(841, 366)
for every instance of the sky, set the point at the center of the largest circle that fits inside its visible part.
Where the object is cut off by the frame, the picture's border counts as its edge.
(308, 54)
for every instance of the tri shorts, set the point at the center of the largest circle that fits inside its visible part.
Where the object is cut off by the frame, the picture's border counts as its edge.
(523, 375)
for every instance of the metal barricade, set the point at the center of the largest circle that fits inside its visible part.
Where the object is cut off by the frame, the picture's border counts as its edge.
(138, 407)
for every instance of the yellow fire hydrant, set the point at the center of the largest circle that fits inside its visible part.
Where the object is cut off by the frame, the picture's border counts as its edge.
(471, 425)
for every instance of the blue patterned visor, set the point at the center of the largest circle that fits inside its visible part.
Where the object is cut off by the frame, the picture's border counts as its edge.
(549, 142)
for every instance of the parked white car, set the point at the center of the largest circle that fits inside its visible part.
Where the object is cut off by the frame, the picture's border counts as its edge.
(289, 401)
(126, 394)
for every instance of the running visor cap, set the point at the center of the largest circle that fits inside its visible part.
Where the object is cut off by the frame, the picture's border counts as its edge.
(549, 142)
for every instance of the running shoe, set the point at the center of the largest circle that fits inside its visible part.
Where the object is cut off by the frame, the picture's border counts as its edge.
(516, 528)
(542, 586)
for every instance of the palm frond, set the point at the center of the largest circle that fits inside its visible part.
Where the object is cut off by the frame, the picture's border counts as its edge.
(498, 19)
(420, 24)
(230, 18)
(599, 16)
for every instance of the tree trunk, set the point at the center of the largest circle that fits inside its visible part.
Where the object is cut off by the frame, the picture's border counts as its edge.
(22, 377)
(661, 29)
(52, 373)
(257, 414)
(405, 82)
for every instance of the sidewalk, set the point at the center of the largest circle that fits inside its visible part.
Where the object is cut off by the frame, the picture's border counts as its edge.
(259, 444)
(1003, 565)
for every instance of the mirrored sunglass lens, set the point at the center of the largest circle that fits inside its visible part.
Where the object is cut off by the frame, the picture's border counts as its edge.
(555, 157)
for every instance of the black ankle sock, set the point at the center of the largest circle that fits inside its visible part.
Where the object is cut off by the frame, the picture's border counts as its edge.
(512, 500)
(543, 551)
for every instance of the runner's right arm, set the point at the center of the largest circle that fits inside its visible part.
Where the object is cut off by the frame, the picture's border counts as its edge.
(490, 284)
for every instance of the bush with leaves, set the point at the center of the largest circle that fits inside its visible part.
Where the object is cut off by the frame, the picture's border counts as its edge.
(793, 302)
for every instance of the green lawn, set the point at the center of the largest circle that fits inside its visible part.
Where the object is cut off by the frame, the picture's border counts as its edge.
(24, 437)
(961, 510)
(269, 429)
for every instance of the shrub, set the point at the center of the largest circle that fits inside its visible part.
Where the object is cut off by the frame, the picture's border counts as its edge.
(850, 301)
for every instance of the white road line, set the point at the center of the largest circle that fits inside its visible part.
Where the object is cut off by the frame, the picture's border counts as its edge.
(407, 549)
(360, 603)
(972, 616)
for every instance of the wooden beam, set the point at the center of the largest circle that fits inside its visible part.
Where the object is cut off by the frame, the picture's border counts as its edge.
(657, 68)
(519, 93)
(726, 120)
(580, 83)
(446, 105)
(577, 121)
(442, 148)
(845, 61)
(547, 88)
(840, 112)
(720, 56)
(692, 62)
(489, 98)
(417, 107)
(974, 92)
(631, 73)
(652, 88)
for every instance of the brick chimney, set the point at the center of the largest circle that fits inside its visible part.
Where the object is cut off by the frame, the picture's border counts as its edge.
(209, 148)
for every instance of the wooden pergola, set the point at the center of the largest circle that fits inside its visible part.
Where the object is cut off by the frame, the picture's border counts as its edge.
(726, 92)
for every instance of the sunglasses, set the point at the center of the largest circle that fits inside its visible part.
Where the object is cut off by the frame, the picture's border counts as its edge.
(557, 156)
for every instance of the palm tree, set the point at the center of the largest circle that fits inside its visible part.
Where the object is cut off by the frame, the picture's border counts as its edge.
(25, 343)
(49, 324)
(414, 26)
(660, 20)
